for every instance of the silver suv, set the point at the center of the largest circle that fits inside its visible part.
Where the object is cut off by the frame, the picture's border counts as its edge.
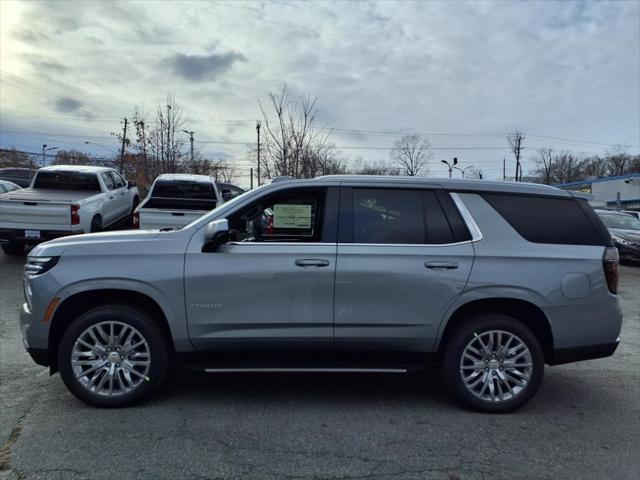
(338, 273)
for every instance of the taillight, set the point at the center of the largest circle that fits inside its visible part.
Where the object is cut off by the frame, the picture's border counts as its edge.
(75, 216)
(611, 264)
(136, 219)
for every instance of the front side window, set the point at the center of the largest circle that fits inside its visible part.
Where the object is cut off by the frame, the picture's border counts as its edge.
(291, 216)
(117, 179)
(108, 181)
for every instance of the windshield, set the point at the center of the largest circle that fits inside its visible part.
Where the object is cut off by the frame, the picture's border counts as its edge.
(58, 180)
(623, 221)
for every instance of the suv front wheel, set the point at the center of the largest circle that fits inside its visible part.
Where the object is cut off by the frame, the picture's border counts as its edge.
(113, 356)
(493, 363)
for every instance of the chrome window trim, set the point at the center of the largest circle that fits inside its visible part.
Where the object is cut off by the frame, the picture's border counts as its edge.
(476, 233)
(474, 230)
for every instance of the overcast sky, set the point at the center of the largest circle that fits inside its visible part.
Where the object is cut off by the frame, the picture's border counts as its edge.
(71, 70)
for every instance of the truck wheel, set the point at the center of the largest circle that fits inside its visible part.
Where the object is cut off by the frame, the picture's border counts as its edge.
(493, 363)
(113, 356)
(96, 224)
(13, 248)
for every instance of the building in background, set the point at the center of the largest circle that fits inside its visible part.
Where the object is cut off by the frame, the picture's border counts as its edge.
(617, 193)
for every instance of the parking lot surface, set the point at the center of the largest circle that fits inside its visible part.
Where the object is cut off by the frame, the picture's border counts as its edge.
(584, 423)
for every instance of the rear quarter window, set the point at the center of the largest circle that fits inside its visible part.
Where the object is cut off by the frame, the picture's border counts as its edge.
(563, 221)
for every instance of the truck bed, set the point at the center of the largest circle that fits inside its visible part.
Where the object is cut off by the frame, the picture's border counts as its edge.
(45, 195)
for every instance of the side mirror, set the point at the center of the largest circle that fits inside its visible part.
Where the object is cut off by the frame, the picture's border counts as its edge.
(131, 184)
(226, 195)
(216, 233)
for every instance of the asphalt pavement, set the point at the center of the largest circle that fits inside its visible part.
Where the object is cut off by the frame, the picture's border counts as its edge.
(584, 422)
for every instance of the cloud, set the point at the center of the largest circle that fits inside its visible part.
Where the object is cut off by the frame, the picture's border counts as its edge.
(202, 67)
(67, 104)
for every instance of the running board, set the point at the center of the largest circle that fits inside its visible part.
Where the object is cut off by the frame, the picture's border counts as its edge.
(305, 370)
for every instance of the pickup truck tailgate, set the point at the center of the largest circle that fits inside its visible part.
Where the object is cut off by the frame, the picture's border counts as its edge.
(151, 218)
(33, 215)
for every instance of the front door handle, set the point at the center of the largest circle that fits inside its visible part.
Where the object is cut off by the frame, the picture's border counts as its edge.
(441, 265)
(312, 262)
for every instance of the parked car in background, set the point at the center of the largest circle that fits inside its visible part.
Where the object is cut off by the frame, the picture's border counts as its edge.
(7, 186)
(176, 200)
(19, 176)
(635, 213)
(64, 200)
(337, 273)
(625, 233)
(229, 191)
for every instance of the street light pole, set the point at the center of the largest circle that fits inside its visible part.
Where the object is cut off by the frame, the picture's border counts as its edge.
(44, 152)
(451, 166)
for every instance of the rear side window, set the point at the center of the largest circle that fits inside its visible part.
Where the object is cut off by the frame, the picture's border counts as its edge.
(403, 216)
(388, 216)
(561, 221)
(62, 180)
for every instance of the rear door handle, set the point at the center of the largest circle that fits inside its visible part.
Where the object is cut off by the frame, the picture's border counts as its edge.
(441, 265)
(312, 262)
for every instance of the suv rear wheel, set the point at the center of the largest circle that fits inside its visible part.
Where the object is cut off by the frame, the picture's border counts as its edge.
(493, 363)
(113, 356)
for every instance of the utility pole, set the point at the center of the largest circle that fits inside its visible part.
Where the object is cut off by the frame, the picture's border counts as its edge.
(144, 151)
(191, 141)
(257, 130)
(504, 169)
(169, 165)
(251, 169)
(124, 140)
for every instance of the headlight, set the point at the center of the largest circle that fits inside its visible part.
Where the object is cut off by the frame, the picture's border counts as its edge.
(39, 265)
(622, 241)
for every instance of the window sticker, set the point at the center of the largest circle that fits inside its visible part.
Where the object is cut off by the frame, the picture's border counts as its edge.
(291, 216)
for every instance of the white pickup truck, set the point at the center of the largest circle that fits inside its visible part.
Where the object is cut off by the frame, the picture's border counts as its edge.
(64, 200)
(176, 200)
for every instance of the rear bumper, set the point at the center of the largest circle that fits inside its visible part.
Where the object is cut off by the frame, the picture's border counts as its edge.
(11, 235)
(578, 354)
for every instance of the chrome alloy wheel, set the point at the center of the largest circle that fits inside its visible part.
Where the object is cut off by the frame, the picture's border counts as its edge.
(496, 366)
(111, 358)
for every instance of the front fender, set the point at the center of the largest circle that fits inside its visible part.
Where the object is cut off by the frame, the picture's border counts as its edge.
(174, 314)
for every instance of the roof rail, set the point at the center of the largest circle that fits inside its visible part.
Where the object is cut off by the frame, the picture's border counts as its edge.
(281, 178)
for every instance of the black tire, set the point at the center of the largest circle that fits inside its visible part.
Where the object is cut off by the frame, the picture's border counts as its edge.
(143, 323)
(13, 248)
(457, 343)
(96, 224)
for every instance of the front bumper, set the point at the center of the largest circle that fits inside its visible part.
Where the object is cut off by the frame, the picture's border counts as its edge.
(13, 235)
(34, 336)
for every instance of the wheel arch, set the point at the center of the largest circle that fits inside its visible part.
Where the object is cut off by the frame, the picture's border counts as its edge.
(80, 302)
(526, 312)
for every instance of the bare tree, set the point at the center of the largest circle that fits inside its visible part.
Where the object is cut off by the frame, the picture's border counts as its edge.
(13, 158)
(72, 157)
(292, 142)
(544, 162)
(411, 153)
(515, 141)
(593, 167)
(617, 161)
(379, 167)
